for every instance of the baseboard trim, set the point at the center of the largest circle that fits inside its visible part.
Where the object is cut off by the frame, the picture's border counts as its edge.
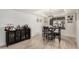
(72, 37)
(35, 35)
(2, 46)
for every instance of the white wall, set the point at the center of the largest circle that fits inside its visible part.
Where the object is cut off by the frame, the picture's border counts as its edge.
(70, 28)
(14, 17)
(2, 36)
(77, 29)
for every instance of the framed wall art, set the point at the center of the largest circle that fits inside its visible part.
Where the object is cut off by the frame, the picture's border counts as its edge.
(70, 19)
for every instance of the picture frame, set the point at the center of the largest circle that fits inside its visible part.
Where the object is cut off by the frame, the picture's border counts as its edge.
(70, 19)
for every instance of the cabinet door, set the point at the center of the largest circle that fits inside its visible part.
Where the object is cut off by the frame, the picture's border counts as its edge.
(11, 39)
(27, 33)
(17, 35)
(22, 34)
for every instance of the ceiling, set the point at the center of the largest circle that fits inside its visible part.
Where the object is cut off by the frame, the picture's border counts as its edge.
(46, 12)
(27, 10)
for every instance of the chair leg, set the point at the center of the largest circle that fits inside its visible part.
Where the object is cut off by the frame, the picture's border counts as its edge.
(59, 41)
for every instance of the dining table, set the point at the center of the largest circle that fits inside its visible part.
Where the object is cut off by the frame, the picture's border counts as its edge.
(51, 32)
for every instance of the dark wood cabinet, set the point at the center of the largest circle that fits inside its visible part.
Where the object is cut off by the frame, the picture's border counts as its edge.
(17, 36)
